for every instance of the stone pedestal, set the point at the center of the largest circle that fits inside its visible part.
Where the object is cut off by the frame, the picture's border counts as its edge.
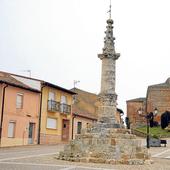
(110, 145)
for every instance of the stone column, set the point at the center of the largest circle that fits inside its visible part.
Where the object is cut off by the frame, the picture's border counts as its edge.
(106, 142)
(108, 97)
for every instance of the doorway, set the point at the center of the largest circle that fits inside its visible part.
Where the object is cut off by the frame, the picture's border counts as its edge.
(65, 130)
(31, 133)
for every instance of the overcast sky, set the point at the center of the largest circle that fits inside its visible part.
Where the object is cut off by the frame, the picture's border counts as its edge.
(58, 40)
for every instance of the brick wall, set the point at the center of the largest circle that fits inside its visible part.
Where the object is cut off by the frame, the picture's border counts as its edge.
(158, 98)
(132, 112)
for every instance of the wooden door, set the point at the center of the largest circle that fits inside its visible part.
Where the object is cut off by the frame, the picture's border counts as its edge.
(65, 130)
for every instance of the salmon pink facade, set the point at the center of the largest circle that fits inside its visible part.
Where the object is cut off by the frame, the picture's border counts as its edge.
(19, 117)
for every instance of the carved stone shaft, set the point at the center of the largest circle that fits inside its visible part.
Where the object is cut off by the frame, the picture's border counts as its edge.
(108, 97)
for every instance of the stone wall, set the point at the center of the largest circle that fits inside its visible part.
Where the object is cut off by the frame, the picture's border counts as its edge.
(112, 146)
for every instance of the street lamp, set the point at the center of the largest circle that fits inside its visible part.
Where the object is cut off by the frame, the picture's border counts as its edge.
(147, 117)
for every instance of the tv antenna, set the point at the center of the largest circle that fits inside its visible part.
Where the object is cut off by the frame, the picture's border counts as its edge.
(75, 82)
(28, 71)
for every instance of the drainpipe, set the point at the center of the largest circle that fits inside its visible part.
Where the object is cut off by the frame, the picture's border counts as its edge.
(2, 111)
(74, 116)
(73, 126)
(39, 127)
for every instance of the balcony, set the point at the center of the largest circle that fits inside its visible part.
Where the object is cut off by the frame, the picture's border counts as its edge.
(64, 108)
(54, 106)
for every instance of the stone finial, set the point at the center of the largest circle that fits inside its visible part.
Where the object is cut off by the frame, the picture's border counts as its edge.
(109, 48)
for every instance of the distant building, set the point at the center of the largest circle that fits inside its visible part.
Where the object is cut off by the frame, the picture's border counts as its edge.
(158, 96)
(133, 106)
(19, 112)
(119, 117)
(84, 110)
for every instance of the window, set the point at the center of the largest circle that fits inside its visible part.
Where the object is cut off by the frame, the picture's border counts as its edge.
(51, 101)
(11, 129)
(64, 99)
(63, 105)
(19, 101)
(79, 126)
(51, 123)
(51, 96)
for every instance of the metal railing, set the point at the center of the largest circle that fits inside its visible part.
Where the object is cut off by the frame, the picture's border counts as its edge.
(58, 107)
(64, 108)
(53, 106)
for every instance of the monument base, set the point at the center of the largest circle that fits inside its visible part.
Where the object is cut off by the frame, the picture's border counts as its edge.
(105, 145)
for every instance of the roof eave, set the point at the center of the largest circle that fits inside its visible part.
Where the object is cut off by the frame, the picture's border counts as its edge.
(58, 87)
(19, 86)
(83, 116)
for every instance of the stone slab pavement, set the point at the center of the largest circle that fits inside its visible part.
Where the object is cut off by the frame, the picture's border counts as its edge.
(38, 157)
(159, 152)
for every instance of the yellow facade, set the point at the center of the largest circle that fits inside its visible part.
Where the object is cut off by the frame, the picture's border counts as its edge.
(50, 135)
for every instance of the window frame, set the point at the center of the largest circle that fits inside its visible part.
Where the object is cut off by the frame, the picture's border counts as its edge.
(63, 103)
(20, 105)
(49, 127)
(14, 129)
(79, 128)
(52, 92)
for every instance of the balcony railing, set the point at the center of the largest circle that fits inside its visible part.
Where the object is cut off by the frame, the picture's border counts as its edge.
(58, 107)
(53, 106)
(64, 108)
